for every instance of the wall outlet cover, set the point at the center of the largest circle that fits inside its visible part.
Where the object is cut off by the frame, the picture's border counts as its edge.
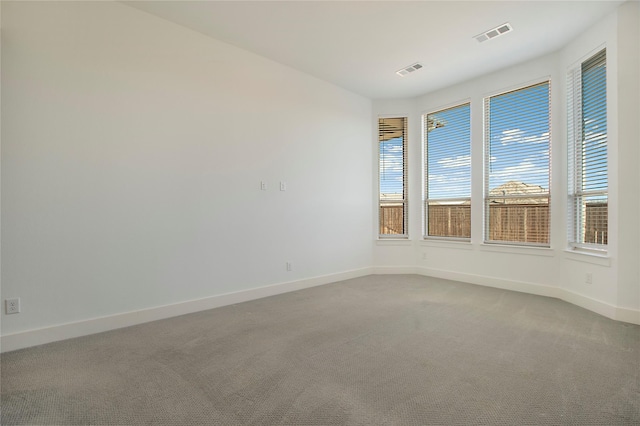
(12, 306)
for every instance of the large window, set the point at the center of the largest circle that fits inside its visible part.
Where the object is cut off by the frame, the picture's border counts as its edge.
(517, 143)
(588, 179)
(392, 143)
(447, 150)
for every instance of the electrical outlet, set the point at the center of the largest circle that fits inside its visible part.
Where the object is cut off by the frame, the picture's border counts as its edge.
(289, 266)
(263, 185)
(12, 306)
(588, 278)
(283, 186)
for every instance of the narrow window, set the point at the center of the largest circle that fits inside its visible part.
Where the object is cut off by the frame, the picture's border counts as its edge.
(588, 172)
(517, 171)
(447, 150)
(392, 143)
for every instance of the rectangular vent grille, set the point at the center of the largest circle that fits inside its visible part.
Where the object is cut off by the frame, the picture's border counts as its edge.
(494, 32)
(408, 70)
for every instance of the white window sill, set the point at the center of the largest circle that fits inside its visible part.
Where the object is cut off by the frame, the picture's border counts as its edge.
(394, 242)
(442, 243)
(513, 249)
(588, 257)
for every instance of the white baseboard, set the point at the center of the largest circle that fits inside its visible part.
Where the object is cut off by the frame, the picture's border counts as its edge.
(610, 311)
(395, 270)
(28, 338)
(588, 303)
(628, 315)
(521, 286)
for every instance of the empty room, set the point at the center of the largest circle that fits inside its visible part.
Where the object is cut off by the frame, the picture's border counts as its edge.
(320, 212)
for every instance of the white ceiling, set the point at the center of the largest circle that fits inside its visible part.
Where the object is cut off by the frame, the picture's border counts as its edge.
(359, 45)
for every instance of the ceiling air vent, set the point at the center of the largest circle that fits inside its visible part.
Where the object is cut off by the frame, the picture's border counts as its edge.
(408, 70)
(494, 32)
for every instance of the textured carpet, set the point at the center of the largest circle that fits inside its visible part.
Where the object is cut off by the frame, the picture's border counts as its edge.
(378, 350)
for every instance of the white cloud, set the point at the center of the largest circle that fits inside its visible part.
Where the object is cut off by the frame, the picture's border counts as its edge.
(394, 149)
(599, 138)
(391, 166)
(518, 136)
(459, 161)
(391, 159)
(526, 172)
(454, 185)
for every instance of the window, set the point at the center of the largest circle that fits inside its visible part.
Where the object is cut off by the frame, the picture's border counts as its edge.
(447, 150)
(517, 145)
(392, 142)
(588, 179)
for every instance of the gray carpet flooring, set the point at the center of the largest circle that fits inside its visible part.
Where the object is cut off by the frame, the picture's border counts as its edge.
(377, 350)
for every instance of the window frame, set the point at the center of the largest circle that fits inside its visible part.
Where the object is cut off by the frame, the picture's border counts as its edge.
(404, 202)
(576, 217)
(425, 158)
(487, 196)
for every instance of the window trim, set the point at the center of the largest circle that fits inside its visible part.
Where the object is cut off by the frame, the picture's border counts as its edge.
(486, 170)
(575, 129)
(425, 174)
(405, 184)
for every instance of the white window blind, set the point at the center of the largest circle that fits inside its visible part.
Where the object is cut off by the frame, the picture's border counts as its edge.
(517, 171)
(588, 173)
(392, 142)
(447, 150)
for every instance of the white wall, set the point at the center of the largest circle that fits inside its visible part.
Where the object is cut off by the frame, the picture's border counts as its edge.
(1, 31)
(555, 271)
(391, 254)
(531, 266)
(605, 276)
(133, 149)
(617, 283)
(132, 155)
(629, 154)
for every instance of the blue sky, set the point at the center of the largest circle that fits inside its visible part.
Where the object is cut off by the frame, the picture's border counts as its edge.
(595, 129)
(449, 154)
(519, 135)
(391, 167)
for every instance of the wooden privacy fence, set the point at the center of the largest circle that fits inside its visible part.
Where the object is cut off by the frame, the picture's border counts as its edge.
(507, 222)
(526, 223)
(450, 221)
(392, 219)
(595, 223)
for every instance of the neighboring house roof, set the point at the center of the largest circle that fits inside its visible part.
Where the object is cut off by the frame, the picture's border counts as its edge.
(515, 188)
(510, 189)
(390, 197)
